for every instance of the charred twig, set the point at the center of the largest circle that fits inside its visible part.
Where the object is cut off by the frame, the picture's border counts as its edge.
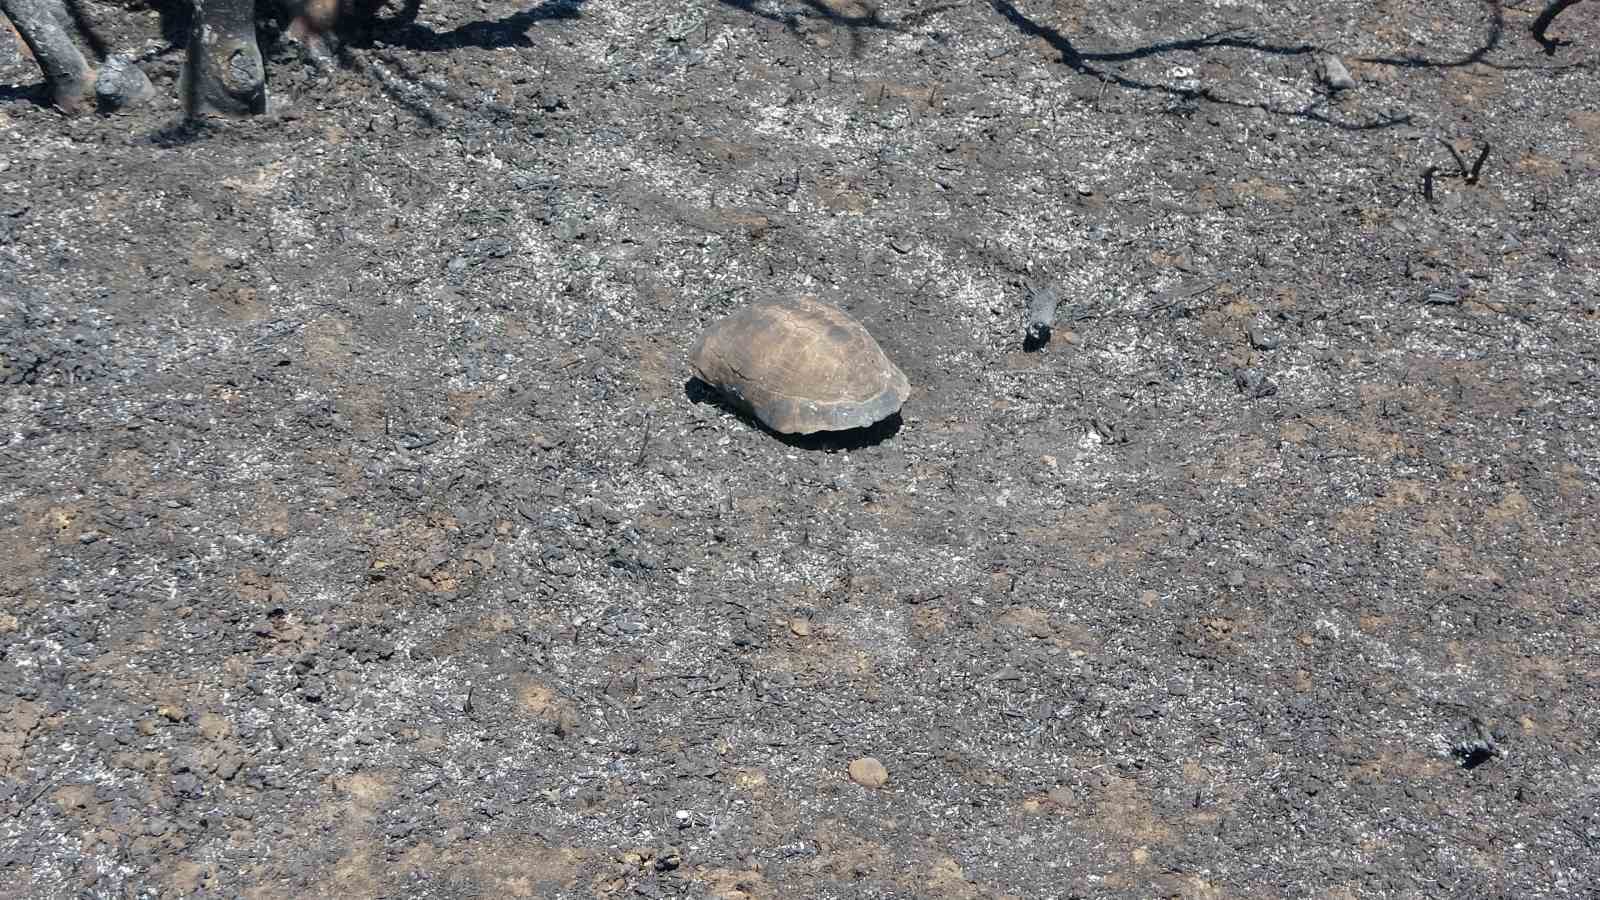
(1469, 174)
(643, 446)
(27, 802)
(1172, 302)
(1544, 21)
(1461, 165)
(1472, 176)
(1477, 747)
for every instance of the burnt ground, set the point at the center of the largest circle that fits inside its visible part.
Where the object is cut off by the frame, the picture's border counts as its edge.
(360, 535)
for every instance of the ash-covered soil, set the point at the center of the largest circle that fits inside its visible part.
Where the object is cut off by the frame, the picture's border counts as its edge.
(361, 535)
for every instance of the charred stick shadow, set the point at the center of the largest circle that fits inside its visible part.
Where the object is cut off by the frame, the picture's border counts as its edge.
(1542, 24)
(80, 23)
(404, 86)
(698, 391)
(181, 133)
(1227, 39)
(1497, 28)
(1491, 42)
(404, 89)
(172, 14)
(37, 93)
(819, 10)
(870, 19)
(366, 14)
(1084, 64)
(508, 31)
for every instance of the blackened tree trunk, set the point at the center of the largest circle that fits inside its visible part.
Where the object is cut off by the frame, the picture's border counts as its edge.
(68, 74)
(224, 72)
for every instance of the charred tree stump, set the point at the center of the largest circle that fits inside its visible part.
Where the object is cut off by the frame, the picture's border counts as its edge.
(68, 74)
(224, 73)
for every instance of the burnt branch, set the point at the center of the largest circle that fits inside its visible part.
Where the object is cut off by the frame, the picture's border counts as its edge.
(1542, 24)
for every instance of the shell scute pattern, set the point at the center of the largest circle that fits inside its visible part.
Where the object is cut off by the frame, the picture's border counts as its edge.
(800, 366)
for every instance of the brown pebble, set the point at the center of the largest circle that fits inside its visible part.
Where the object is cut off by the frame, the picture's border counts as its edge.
(868, 772)
(214, 727)
(800, 627)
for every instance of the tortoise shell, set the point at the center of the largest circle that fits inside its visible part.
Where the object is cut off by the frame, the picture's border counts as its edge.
(800, 366)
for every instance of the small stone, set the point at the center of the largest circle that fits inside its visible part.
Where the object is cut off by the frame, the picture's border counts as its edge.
(566, 723)
(800, 627)
(1335, 75)
(121, 84)
(569, 229)
(1261, 340)
(214, 727)
(1253, 384)
(868, 772)
(187, 785)
(1042, 303)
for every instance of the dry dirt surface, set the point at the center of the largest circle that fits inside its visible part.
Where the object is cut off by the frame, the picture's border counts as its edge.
(362, 535)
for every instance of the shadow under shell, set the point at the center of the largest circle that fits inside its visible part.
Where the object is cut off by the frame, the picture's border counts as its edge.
(847, 439)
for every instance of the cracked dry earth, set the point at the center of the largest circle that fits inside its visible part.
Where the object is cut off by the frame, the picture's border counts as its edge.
(361, 534)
